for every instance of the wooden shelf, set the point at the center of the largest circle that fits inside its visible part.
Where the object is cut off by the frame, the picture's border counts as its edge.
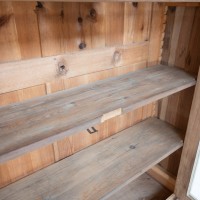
(104, 167)
(143, 187)
(38, 122)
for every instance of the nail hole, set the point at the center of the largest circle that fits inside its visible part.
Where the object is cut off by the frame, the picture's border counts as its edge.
(132, 146)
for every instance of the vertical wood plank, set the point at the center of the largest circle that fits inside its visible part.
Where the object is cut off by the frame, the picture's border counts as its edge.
(93, 24)
(29, 40)
(184, 37)
(71, 27)
(175, 35)
(192, 57)
(168, 34)
(9, 46)
(137, 18)
(157, 26)
(114, 16)
(50, 27)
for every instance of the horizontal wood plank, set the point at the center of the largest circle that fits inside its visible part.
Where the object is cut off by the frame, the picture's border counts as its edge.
(104, 167)
(28, 73)
(41, 121)
(144, 188)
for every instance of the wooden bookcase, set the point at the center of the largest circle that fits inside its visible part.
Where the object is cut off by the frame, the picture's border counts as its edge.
(96, 97)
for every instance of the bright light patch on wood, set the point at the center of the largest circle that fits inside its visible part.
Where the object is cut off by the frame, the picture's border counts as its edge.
(193, 190)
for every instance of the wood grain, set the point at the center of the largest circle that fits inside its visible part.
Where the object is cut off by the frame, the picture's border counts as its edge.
(143, 187)
(47, 119)
(137, 19)
(29, 40)
(156, 33)
(27, 73)
(9, 48)
(163, 177)
(118, 157)
(50, 28)
(66, 38)
(176, 108)
(114, 29)
(189, 151)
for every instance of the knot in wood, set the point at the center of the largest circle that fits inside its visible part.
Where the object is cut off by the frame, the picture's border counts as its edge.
(62, 69)
(116, 57)
(82, 45)
(80, 20)
(93, 13)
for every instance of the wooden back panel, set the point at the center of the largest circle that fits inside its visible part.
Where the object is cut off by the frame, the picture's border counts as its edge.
(31, 31)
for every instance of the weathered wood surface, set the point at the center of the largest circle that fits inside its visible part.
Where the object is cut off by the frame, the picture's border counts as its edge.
(32, 124)
(60, 33)
(27, 73)
(163, 177)
(99, 169)
(144, 187)
(181, 49)
(191, 143)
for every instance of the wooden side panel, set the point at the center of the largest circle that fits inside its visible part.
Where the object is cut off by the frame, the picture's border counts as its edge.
(189, 151)
(180, 49)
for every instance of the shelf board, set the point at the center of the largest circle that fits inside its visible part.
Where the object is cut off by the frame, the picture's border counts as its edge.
(104, 167)
(143, 187)
(32, 124)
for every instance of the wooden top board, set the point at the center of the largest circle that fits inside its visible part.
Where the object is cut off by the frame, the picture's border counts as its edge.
(102, 169)
(38, 122)
(182, 1)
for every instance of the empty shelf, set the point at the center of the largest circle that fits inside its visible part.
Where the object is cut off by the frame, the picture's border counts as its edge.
(144, 187)
(38, 122)
(99, 169)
